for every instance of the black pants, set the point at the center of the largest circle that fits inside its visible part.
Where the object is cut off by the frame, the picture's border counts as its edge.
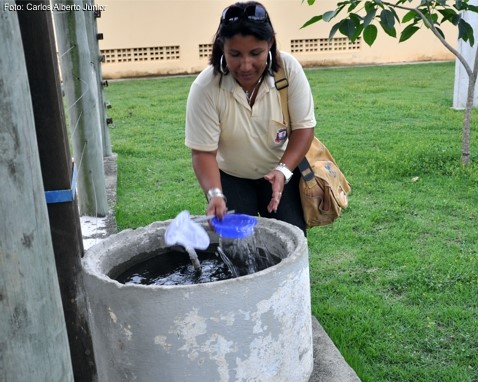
(251, 197)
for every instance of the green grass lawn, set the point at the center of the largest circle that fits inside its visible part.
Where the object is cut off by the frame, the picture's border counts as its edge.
(394, 281)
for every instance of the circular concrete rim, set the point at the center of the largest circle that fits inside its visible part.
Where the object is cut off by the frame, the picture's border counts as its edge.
(92, 267)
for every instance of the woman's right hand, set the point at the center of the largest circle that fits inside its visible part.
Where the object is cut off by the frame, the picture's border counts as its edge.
(217, 207)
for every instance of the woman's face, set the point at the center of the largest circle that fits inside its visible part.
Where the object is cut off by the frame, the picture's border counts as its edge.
(246, 58)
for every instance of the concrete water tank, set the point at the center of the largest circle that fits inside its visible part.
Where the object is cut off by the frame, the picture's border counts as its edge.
(251, 328)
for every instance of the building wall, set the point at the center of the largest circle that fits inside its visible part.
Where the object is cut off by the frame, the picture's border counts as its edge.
(162, 37)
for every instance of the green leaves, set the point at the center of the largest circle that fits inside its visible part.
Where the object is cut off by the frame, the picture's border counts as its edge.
(409, 16)
(387, 21)
(360, 18)
(313, 20)
(348, 27)
(370, 34)
(327, 16)
(465, 32)
(371, 12)
(408, 32)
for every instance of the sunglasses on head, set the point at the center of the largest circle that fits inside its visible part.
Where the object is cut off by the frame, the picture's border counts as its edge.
(254, 13)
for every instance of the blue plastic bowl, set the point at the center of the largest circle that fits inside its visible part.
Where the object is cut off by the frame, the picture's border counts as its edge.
(234, 226)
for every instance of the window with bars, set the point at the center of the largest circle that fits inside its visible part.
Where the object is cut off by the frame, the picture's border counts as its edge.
(156, 53)
(205, 50)
(324, 45)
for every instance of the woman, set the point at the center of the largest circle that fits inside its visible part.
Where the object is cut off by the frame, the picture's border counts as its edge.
(242, 154)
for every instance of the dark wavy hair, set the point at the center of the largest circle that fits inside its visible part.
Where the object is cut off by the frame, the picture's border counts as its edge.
(260, 30)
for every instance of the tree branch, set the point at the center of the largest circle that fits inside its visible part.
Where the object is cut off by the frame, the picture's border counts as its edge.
(437, 34)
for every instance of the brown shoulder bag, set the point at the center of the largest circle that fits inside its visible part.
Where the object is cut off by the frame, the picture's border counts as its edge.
(323, 187)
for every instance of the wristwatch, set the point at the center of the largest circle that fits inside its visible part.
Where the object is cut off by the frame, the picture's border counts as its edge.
(285, 171)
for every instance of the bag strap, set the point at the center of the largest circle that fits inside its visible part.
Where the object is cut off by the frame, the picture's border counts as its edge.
(282, 85)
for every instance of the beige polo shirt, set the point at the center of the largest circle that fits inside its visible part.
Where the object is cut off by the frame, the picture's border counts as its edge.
(249, 140)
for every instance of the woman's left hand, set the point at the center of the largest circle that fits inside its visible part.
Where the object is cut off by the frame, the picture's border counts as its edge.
(276, 178)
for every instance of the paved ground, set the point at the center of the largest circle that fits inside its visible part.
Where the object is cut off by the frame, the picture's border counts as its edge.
(329, 365)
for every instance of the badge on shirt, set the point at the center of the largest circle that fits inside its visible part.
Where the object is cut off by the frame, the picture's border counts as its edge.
(281, 135)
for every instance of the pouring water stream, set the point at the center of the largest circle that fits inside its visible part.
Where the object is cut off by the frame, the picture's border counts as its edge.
(237, 248)
(189, 234)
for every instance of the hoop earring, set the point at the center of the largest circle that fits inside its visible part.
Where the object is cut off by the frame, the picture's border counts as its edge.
(269, 64)
(222, 68)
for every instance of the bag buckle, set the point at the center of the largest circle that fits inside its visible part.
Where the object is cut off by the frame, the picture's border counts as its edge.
(282, 84)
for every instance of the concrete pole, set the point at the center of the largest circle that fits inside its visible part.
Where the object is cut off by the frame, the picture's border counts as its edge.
(460, 93)
(33, 336)
(92, 32)
(56, 167)
(80, 85)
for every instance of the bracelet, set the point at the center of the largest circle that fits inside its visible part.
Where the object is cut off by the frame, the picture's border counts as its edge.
(214, 193)
(285, 171)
